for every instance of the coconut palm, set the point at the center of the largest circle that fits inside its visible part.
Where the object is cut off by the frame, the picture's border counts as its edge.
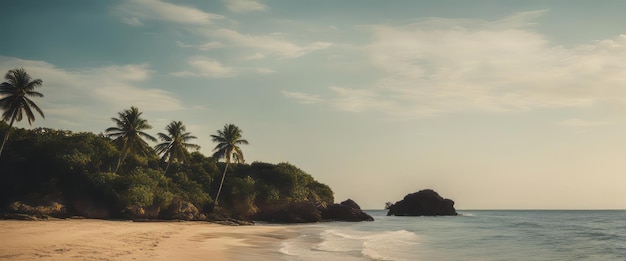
(128, 133)
(15, 102)
(227, 148)
(174, 146)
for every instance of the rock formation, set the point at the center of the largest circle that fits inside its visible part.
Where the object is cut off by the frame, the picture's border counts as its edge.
(295, 212)
(306, 212)
(422, 203)
(345, 211)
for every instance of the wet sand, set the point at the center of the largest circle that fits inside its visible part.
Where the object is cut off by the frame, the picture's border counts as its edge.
(125, 240)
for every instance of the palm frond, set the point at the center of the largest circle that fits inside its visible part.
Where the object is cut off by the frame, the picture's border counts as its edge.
(32, 104)
(174, 147)
(16, 90)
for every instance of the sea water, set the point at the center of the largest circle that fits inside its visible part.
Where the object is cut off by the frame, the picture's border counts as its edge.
(473, 235)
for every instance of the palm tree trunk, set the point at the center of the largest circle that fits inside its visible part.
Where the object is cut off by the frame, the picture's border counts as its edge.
(6, 136)
(167, 166)
(120, 160)
(221, 183)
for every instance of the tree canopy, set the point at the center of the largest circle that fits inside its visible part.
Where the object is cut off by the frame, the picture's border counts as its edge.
(76, 168)
(129, 133)
(15, 100)
(228, 141)
(174, 146)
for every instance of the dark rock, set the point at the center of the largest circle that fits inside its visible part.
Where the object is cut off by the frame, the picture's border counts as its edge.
(217, 213)
(234, 222)
(423, 203)
(295, 212)
(142, 213)
(90, 209)
(50, 208)
(182, 210)
(344, 212)
(243, 209)
(18, 216)
(351, 203)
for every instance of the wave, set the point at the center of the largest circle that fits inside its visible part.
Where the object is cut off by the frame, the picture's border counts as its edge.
(392, 245)
(374, 245)
(348, 244)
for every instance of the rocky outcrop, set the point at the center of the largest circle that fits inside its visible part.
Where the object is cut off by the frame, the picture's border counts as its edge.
(345, 211)
(141, 213)
(89, 208)
(181, 210)
(422, 203)
(350, 203)
(306, 212)
(28, 211)
(295, 212)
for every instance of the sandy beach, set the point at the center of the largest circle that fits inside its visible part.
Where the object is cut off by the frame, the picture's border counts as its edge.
(125, 240)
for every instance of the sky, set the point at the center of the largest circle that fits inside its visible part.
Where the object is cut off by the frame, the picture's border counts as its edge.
(494, 104)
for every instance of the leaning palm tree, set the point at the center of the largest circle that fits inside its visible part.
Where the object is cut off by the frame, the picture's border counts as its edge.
(15, 102)
(227, 148)
(174, 146)
(128, 133)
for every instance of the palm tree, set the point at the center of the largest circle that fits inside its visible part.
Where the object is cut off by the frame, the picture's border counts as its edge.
(129, 134)
(227, 148)
(174, 146)
(15, 103)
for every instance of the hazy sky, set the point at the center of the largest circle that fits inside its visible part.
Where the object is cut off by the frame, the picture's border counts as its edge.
(495, 104)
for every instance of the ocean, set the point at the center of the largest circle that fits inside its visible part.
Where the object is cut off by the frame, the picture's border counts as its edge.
(474, 235)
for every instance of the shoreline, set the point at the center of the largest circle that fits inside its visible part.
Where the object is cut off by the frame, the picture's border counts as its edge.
(92, 239)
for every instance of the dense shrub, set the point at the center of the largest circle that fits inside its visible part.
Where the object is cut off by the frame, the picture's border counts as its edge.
(78, 169)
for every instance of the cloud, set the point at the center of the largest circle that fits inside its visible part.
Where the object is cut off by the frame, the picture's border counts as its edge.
(244, 6)
(160, 10)
(438, 66)
(206, 67)
(255, 56)
(92, 91)
(301, 97)
(575, 122)
(138, 12)
(272, 43)
(209, 46)
(134, 21)
(183, 45)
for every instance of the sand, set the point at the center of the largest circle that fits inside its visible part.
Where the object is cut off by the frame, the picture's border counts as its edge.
(125, 240)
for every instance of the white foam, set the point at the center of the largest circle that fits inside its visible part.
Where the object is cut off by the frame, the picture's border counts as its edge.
(349, 244)
(393, 245)
(337, 241)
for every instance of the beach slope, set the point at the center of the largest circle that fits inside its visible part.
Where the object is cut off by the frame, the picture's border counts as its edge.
(125, 240)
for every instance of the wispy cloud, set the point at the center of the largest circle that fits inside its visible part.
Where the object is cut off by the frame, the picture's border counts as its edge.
(92, 91)
(256, 56)
(244, 6)
(576, 122)
(445, 65)
(160, 10)
(183, 45)
(270, 43)
(210, 45)
(301, 97)
(134, 21)
(206, 67)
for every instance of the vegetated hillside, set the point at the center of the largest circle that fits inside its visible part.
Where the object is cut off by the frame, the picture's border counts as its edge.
(43, 165)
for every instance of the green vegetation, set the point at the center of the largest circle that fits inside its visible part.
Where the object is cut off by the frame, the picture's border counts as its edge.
(228, 141)
(78, 170)
(128, 134)
(15, 102)
(174, 146)
(117, 174)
